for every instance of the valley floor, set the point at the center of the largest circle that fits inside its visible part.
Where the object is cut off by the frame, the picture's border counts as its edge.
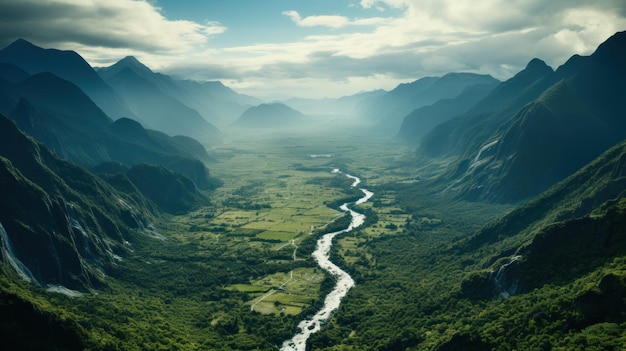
(237, 272)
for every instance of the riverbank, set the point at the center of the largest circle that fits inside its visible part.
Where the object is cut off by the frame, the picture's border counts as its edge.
(344, 280)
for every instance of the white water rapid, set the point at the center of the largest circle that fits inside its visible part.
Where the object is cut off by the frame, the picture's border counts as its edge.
(344, 280)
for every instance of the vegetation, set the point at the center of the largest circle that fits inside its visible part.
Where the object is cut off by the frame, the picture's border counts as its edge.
(236, 272)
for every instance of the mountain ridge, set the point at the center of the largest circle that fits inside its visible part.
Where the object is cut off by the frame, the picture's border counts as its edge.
(513, 157)
(388, 111)
(273, 115)
(70, 66)
(215, 102)
(83, 133)
(60, 224)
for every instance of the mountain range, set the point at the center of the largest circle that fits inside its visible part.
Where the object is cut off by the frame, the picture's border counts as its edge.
(69, 66)
(342, 107)
(536, 128)
(83, 177)
(145, 92)
(422, 120)
(61, 115)
(130, 89)
(167, 97)
(387, 111)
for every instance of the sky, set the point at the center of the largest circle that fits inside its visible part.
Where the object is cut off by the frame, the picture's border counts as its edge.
(316, 48)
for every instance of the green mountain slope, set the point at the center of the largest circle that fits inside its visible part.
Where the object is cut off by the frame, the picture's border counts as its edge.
(547, 275)
(422, 120)
(466, 133)
(65, 226)
(79, 131)
(512, 157)
(388, 111)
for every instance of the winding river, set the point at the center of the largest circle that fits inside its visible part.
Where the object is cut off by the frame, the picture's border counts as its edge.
(344, 280)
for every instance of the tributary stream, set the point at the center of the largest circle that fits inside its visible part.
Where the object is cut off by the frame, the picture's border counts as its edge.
(344, 280)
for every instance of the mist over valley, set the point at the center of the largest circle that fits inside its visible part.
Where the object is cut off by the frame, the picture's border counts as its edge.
(463, 205)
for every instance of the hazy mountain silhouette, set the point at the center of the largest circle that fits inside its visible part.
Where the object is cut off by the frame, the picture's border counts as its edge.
(466, 133)
(424, 119)
(12, 73)
(216, 103)
(338, 107)
(511, 157)
(274, 115)
(145, 92)
(59, 114)
(387, 112)
(70, 66)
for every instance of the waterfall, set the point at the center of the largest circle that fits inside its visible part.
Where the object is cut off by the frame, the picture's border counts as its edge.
(9, 257)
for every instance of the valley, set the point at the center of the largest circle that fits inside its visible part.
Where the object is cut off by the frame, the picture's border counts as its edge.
(240, 267)
(237, 272)
(140, 211)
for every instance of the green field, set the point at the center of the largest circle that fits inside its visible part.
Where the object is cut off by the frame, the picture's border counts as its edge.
(224, 277)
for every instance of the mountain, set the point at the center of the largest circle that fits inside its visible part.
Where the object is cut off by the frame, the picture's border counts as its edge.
(570, 230)
(70, 66)
(573, 121)
(422, 120)
(170, 191)
(274, 115)
(388, 111)
(467, 132)
(339, 107)
(216, 103)
(61, 227)
(12, 73)
(153, 106)
(57, 113)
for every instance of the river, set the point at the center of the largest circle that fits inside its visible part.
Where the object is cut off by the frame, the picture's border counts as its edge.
(344, 280)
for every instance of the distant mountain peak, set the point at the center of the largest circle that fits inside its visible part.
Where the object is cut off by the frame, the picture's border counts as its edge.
(133, 63)
(270, 115)
(613, 48)
(21, 42)
(536, 64)
(20, 48)
(130, 58)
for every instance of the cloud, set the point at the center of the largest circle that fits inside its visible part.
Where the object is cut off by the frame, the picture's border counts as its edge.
(314, 21)
(332, 21)
(416, 38)
(107, 24)
(430, 38)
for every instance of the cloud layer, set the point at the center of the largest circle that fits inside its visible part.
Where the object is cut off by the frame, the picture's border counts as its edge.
(390, 41)
(101, 26)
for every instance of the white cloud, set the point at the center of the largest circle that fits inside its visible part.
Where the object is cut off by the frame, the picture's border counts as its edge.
(105, 24)
(332, 21)
(416, 39)
(433, 37)
(314, 21)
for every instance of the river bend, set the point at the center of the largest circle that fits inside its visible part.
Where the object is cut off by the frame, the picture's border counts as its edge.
(344, 280)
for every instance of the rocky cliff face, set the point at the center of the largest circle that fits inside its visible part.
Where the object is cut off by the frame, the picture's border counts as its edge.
(62, 227)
